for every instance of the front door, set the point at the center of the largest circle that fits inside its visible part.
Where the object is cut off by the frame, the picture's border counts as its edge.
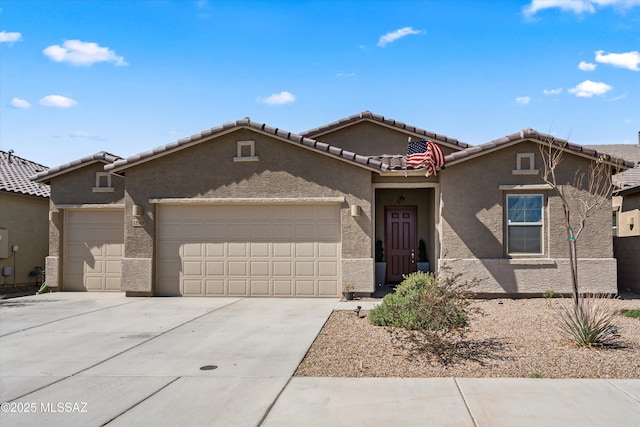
(400, 245)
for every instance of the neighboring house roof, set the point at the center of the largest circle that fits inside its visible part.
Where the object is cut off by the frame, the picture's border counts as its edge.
(627, 190)
(375, 118)
(543, 138)
(102, 157)
(14, 175)
(631, 152)
(246, 123)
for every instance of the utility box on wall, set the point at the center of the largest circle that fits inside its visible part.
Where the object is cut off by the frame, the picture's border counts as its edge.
(4, 243)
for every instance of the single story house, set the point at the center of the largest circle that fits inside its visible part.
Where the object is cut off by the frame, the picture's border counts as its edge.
(245, 209)
(24, 208)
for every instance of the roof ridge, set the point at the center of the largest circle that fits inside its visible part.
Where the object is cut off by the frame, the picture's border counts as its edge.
(368, 115)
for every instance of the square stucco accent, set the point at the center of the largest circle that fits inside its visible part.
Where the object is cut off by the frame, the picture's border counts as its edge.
(52, 269)
(137, 274)
(358, 272)
(535, 276)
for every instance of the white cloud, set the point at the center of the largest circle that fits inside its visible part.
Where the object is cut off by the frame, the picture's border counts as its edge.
(629, 60)
(397, 34)
(78, 52)
(587, 89)
(552, 91)
(586, 66)
(283, 97)
(577, 6)
(345, 74)
(85, 135)
(57, 101)
(6, 37)
(523, 100)
(19, 103)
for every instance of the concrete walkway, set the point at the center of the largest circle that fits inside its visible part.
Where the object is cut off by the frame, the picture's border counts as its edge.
(102, 359)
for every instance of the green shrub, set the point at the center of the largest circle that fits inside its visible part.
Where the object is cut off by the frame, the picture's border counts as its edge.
(631, 313)
(424, 302)
(589, 320)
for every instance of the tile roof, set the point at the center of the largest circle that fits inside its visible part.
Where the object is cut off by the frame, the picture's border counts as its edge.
(630, 177)
(308, 143)
(536, 136)
(369, 116)
(101, 156)
(14, 175)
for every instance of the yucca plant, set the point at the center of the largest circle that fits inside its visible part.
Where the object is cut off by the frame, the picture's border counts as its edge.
(590, 320)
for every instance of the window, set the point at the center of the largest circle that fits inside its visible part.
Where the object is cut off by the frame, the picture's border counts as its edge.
(525, 164)
(103, 183)
(524, 218)
(246, 152)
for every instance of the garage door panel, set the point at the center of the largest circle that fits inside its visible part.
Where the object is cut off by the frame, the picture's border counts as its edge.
(215, 287)
(237, 268)
(216, 231)
(282, 268)
(251, 250)
(192, 268)
(260, 268)
(192, 286)
(237, 287)
(237, 250)
(327, 250)
(327, 287)
(112, 283)
(305, 268)
(327, 268)
(94, 283)
(305, 288)
(260, 250)
(282, 250)
(283, 288)
(113, 267)
(192, 250)
(260, 288)
(306, 249)
(215, 250)
(215, 268)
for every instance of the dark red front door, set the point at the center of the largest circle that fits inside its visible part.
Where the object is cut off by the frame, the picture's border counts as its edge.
(400, 241)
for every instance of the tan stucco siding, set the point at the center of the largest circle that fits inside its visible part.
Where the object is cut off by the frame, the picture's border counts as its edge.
(371, 139)
(26, 219)
(207, 170)
(473, 214)
(76, 187)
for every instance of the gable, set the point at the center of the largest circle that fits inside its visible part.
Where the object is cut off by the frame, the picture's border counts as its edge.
(374, 135)
(212, 168)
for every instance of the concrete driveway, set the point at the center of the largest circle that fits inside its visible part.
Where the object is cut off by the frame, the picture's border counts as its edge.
(94, 359)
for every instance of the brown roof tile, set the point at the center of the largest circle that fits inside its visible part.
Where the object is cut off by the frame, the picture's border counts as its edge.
(368, 115)
(15, 173)
(101, 156)
(310, 143)
(538, 137)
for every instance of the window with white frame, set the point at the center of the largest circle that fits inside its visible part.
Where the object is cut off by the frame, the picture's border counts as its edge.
(524, 223)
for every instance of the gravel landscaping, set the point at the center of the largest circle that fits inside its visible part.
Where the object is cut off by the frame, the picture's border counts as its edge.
(511, 338)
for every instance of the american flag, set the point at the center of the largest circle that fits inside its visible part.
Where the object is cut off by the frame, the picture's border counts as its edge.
(425, 153)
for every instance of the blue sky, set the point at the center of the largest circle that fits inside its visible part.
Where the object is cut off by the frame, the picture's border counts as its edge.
(77, 77)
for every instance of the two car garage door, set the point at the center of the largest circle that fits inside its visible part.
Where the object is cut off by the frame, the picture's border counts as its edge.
(255, 250)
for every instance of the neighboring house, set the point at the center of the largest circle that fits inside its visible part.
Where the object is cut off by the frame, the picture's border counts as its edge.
(626, 243)
(24, 208)
(244, 209)
(626, 216)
